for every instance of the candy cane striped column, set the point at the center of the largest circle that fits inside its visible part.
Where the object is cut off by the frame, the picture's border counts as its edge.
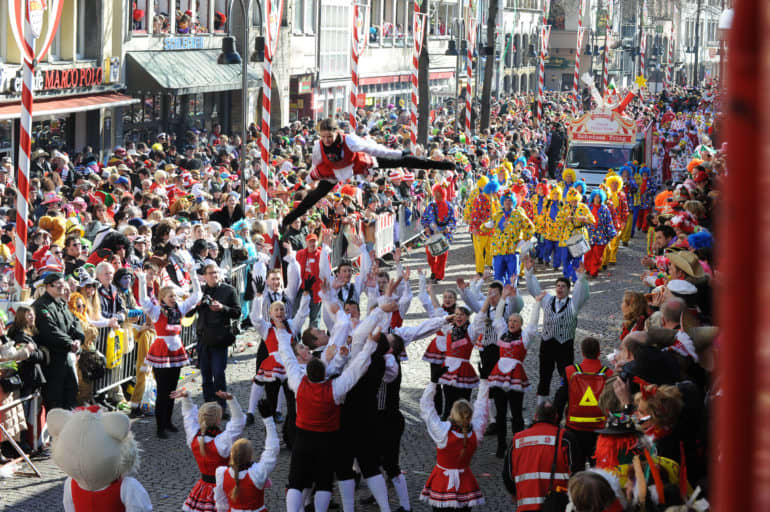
(25, 148)
(267, 84)
(642, 52)
(578, 47)
(469, 73)
(416, 26)
(354, 73)
(670, 60)
(541, 71)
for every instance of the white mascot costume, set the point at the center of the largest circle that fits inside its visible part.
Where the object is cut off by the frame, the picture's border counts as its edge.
(98, 452)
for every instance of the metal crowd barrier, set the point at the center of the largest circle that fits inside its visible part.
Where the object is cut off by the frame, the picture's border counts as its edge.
(238, 277)
(408, 232)
(123, 372)
(31, 420)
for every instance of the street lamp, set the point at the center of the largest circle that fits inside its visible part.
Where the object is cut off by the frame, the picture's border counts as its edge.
(230, 56)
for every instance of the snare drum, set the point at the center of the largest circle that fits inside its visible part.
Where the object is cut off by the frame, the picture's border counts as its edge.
(437, 245)
(577, 245)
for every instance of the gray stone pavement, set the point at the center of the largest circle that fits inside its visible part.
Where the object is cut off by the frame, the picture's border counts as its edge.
(168, 470)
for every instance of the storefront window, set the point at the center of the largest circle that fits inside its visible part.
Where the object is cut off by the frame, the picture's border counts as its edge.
(6, 138)
(142, 121)
(51, 133)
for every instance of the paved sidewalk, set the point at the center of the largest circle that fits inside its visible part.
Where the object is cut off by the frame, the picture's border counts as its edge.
(168, 470)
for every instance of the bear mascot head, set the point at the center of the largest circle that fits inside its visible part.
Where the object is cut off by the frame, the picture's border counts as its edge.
(97, 451)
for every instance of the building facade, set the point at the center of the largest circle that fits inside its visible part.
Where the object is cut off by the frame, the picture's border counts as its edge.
(77, 86)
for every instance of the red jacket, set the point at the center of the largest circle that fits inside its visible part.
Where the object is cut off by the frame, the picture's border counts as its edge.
(309, 263)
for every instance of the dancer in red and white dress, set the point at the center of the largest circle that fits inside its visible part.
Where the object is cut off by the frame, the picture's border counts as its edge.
(460, 378)
(240, 486)
(271, 373)
(451, 484)
(210, 444)
(435, 353)
(508, 380)
(167, 354)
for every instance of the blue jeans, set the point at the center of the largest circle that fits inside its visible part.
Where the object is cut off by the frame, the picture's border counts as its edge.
(213, 361)
(506, 267)
(570, 264)
(315, 314)
(552, 246)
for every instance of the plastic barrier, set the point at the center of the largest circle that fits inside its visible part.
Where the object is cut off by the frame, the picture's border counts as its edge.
(383, 234)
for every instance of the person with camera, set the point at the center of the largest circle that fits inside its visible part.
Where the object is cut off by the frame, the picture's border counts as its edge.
(219, 307)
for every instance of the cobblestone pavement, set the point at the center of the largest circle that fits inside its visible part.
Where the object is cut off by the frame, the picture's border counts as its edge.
(168, 470)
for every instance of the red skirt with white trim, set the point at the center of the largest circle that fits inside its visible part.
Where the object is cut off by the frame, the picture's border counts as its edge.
(201, 498)
(437, 493)
(433, 355)
(515, 380)
(159, 356)
(463, 377)
(271, 370)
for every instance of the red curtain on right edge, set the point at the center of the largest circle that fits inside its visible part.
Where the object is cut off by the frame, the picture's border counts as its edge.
(740, 448)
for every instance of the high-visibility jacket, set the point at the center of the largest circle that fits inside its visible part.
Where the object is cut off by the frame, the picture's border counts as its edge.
(531, 462)
(583, 411)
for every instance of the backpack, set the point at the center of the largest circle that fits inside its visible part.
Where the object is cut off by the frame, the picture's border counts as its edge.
(583, 411)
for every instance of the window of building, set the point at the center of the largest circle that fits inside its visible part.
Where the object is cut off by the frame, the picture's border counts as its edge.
(138, 16)
(304, 16)
(3, 23)
(335, 39)
(375, 22)
(221, 16)
(89, 29)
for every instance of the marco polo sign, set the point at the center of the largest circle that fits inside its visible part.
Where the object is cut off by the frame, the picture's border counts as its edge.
(62, 79)
(72, 78)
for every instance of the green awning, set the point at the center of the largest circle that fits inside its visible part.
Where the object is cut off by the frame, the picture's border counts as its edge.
(183, 72)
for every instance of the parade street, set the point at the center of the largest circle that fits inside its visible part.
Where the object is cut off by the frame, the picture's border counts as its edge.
(168, 470)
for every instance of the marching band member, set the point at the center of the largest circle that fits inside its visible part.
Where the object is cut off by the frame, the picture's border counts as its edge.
(510, 225)
(439, 217)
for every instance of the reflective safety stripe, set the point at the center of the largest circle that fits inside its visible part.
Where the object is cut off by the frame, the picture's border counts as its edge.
(545, 440)
(530, 501)
(579, 419)
(540, 476)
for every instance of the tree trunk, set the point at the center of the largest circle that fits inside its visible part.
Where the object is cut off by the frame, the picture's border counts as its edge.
(489, 66)
(423, 86)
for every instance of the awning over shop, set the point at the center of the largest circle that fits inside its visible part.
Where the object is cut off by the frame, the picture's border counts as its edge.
(183, 72)
(70, 105)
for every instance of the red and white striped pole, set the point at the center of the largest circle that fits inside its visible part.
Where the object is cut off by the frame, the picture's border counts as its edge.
(642, 52)
(273, 28)
(543, 49)
(578, 48)
(471, 37)
(25, 149)
(267, 84)
(670, 57)
(418, 23)
(354, 70)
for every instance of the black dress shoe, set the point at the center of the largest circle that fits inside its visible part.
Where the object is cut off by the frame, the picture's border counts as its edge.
(171, 428)
(136, 412)
(162, 434)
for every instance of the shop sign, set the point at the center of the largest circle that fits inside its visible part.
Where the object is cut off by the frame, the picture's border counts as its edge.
(183, 43)
(305, 84)
(361, 99)
(16, 83)
(73, 78)
(111, 70)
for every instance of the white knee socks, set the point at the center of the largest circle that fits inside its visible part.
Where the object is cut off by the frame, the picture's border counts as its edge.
(294, 500)
(399, 483)
(348, 494)
(321, 501)
(379, 490)
(255, 396)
